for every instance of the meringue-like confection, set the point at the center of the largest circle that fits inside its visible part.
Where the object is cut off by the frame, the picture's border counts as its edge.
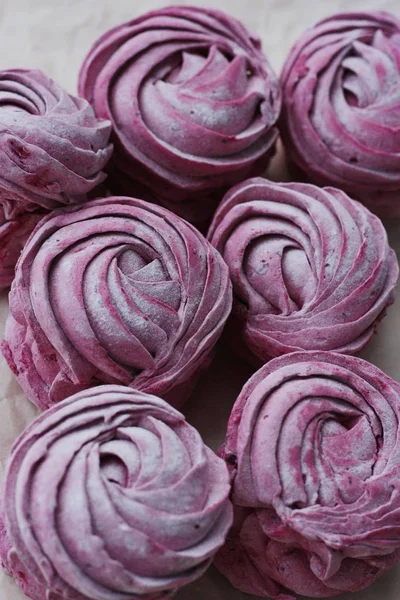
(193, 102)
(115, 291)
(313, 446)
(13, 235)
(52, 152)
(111, 495)
(341, 106)
(311, 268)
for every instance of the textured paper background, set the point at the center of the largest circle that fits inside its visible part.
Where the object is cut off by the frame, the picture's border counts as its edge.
(54, 35)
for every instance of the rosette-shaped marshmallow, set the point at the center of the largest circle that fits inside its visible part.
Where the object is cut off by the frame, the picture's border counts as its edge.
(311, 268)
(193, 102)
(313, 446)
(341, 96)
(115, 291)
(112, 495)
(52, 152)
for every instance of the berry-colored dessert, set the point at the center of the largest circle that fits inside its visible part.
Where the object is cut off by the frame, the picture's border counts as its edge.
(311, 268)
(53, 150)
(115, 291)
(341, 97)
(111, 494)
(313, 446)
(193, 102)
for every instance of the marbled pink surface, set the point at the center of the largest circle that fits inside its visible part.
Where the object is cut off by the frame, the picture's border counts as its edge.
(313, 449)
(341, 90)
(52, 153)
(311, 268)
(193, 102)
(116, 290)
(112, 494)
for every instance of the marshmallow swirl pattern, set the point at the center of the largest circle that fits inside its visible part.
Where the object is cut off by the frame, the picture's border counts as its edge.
(115, 291)
(52, 152)
(112, 495)
(311, 268)
(193, 102)
(314, 453)
(341, 117)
